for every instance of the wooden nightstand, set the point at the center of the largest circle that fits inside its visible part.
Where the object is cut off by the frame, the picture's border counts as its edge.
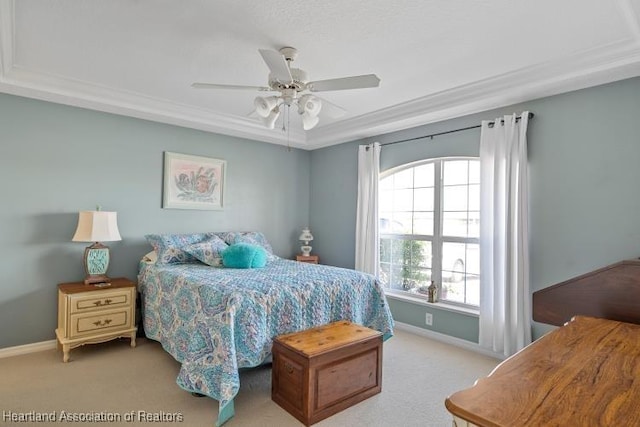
(311, 259)
(89, 314)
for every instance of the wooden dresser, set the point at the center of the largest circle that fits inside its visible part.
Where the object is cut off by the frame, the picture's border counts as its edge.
(324, 370)
(586, 373)
(90, 314)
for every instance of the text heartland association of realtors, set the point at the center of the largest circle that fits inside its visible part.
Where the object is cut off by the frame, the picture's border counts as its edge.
(92, 417)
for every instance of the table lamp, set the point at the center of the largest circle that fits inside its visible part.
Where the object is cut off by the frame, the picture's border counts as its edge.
(96, 226)
(305, 237)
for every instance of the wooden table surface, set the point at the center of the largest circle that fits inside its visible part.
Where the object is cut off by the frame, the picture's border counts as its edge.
(586, 373)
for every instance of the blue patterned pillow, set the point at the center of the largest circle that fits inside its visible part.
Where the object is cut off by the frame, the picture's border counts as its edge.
(209, 251)
(244, 255)
(250, 237)
(169, 247)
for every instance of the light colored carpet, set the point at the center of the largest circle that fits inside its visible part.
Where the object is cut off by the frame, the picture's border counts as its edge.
(418, 374)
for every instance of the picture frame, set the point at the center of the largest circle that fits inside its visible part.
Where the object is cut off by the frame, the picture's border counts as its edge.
(193, 182)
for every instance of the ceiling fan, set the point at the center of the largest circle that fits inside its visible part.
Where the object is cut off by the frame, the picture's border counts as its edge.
(295, 88)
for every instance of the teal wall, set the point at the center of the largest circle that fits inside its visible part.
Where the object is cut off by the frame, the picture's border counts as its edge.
(56, 160)
(584, 151)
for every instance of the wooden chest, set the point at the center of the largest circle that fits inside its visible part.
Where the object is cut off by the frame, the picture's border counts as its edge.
(324, 370)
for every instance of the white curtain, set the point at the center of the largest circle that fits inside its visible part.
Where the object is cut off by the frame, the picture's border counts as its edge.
(505, 312)
(367, 252)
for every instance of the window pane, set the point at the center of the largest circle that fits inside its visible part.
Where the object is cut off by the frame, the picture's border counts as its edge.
(474, 172)
(403, 200)
(405, 264)
(472, 292)
(455, 198)
(385, 251)
(474, 197)
(466, 291)
(474, 224)
(386, 183)
(423, 199)
(396, 277)
(399, 255)
(453, 261)
(455, 172)
(461, 272)
(403, 179)
(473, 258)
(386, 200)
(423, 175)
(401, 223)
(385, 274)
(423, 223)
(420, 253)
(454, 224)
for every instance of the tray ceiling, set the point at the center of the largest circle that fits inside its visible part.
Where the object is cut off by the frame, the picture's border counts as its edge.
(436, 60)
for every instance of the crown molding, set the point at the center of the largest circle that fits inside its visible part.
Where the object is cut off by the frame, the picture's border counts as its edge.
(76, 93)
(591, 67)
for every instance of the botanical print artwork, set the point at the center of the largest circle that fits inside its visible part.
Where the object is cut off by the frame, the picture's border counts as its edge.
(197, 186)
(193, 182)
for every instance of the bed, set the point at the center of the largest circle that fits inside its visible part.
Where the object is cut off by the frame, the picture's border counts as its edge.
(216, 320)
(586, 373)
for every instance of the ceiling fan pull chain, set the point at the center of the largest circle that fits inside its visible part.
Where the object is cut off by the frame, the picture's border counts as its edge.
(286, 110)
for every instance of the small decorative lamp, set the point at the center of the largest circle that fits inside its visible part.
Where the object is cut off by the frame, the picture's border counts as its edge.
(306, 237)
(96, 226)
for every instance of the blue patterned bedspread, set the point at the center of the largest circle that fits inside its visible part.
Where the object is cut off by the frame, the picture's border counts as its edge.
(215, 321)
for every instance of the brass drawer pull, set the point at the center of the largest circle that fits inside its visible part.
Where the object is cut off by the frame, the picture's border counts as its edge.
(100, 303)
(288, 367)
(100, 323)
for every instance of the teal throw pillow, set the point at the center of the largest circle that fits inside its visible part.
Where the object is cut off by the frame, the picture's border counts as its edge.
(244, 255)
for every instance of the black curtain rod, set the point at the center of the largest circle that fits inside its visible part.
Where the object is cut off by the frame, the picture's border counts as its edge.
(531, 115)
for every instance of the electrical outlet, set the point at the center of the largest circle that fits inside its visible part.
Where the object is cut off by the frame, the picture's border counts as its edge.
(429, 319)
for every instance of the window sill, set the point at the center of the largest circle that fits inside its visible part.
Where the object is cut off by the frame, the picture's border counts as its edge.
(439, 305)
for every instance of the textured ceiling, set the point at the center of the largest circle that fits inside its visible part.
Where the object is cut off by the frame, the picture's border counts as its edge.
(435, 59)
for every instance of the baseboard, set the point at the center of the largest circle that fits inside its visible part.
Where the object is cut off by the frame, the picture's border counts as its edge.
(27, 348)
(447, 339)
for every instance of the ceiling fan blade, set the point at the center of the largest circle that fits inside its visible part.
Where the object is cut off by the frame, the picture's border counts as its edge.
(354, 82)
(217, 86)
(331, 110)
(277, 64)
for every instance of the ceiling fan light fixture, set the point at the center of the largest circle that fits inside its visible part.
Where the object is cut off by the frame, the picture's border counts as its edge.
(291, 83)
(309, 121)
(265, 105)
(270, 120)
(310, 105)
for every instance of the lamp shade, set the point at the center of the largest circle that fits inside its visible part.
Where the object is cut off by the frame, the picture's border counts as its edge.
(309, 104)
(309, 122)
(270, 120)
(306, 235)
(265, 105)
(97, 226)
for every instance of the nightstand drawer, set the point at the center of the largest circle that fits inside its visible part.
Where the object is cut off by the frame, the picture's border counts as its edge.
(105, 300)
(104, 321)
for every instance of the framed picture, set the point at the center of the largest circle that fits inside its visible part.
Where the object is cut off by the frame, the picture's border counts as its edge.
(193, 182)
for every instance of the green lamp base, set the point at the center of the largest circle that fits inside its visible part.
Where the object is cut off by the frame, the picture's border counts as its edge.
(96, 263)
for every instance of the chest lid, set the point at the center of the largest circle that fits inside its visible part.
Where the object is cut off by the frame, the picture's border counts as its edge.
(327, 338)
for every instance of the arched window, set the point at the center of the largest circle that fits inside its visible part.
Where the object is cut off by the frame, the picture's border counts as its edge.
(429, 229)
